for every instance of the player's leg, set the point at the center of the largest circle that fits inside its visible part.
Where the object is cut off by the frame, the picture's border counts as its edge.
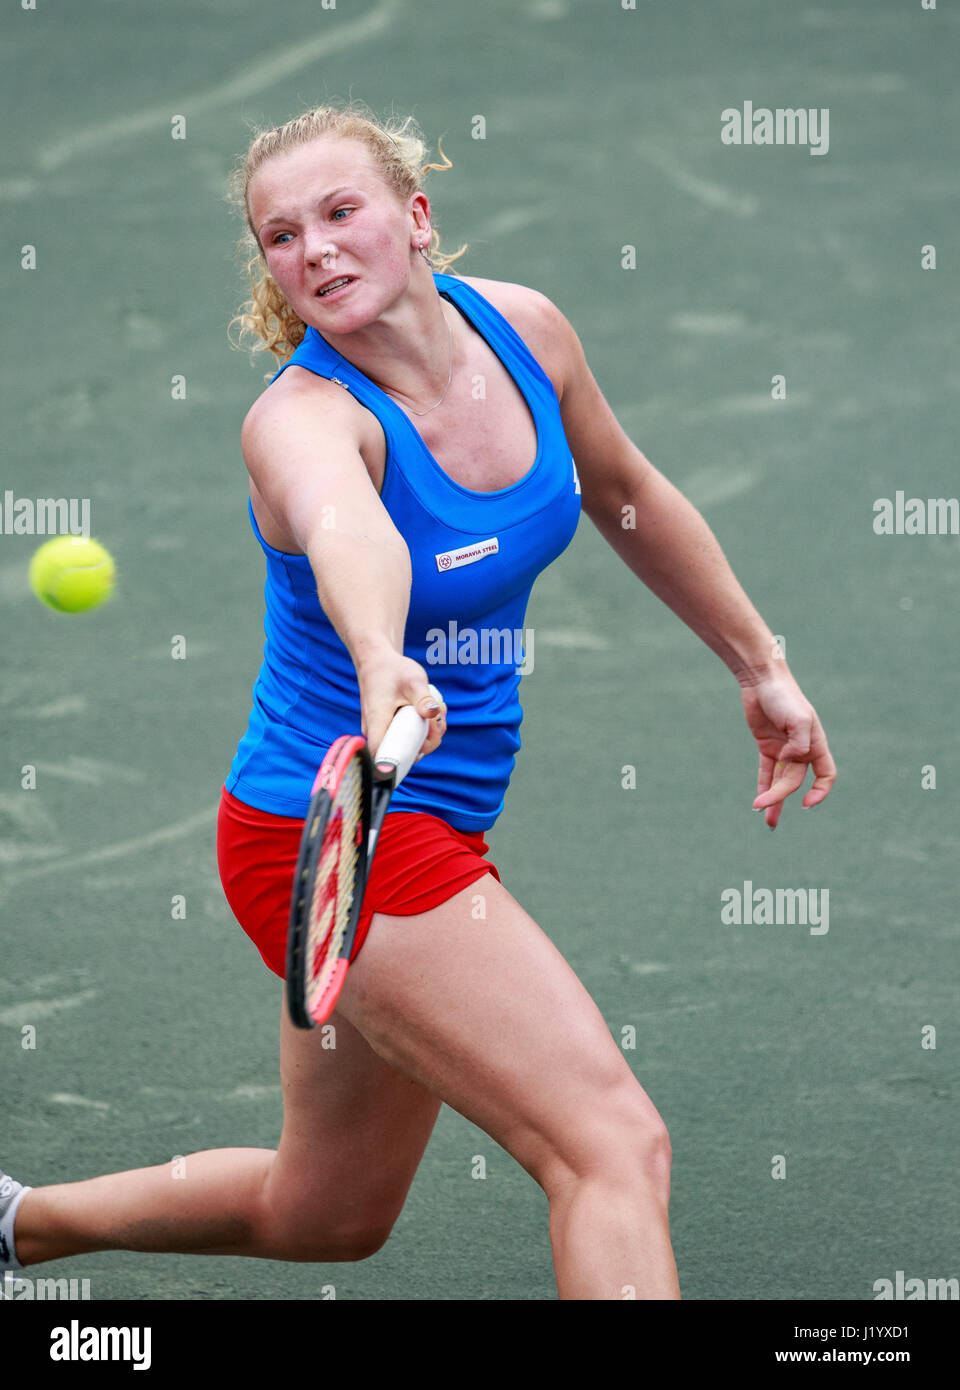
(484, 1012)
(354, 1131)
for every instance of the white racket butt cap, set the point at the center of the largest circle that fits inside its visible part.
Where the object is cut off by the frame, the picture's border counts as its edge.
(404, 739)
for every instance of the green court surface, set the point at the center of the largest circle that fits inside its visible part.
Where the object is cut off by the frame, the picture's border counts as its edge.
(156, 1036)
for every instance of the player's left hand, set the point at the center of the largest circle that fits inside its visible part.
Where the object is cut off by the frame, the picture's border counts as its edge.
(790, 738)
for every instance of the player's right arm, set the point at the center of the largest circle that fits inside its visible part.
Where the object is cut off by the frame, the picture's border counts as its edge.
(302, 451)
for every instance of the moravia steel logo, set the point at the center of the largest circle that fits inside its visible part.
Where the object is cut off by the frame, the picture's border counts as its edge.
(467, 555)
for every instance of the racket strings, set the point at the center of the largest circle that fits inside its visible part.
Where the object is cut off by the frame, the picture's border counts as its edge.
(334, 884)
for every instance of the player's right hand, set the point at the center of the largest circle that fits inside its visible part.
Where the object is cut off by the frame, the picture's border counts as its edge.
(388, 683)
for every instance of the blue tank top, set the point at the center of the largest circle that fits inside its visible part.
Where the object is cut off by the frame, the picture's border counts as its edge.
(474, 557)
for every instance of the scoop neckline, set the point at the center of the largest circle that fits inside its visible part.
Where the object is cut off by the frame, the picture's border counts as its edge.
(493, 493)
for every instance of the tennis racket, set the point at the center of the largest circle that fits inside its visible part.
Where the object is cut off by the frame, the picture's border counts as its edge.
(348, 802)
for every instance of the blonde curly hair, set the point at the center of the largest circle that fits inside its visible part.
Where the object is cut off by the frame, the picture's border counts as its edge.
(397, 145)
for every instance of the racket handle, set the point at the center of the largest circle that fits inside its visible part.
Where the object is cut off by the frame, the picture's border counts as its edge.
(404, 739)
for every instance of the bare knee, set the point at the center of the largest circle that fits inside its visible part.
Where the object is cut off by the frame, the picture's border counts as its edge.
(335, 1247)
(327, 1237)
(323, 1246)
(621, 1140)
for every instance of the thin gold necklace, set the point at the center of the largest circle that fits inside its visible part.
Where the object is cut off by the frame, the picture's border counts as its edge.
(445, 389)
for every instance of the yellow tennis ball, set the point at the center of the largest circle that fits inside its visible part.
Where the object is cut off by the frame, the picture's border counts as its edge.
(71, 573)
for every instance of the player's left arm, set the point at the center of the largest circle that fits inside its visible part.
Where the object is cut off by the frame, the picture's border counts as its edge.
(664, 540)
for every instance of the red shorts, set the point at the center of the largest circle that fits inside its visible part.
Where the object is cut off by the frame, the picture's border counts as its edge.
(420, 862)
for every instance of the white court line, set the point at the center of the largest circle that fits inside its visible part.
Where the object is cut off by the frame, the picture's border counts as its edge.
(90, 770)
(28, 1012)
(712, 195)
(265, 73)
(579, 639)
(116, 851)
(67, 1098)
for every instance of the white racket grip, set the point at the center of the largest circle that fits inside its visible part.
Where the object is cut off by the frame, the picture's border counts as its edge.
(404, 739)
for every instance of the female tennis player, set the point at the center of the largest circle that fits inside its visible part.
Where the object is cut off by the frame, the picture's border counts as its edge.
(412, 466)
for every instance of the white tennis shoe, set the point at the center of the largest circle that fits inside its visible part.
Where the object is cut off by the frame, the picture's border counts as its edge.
(11, 1194)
